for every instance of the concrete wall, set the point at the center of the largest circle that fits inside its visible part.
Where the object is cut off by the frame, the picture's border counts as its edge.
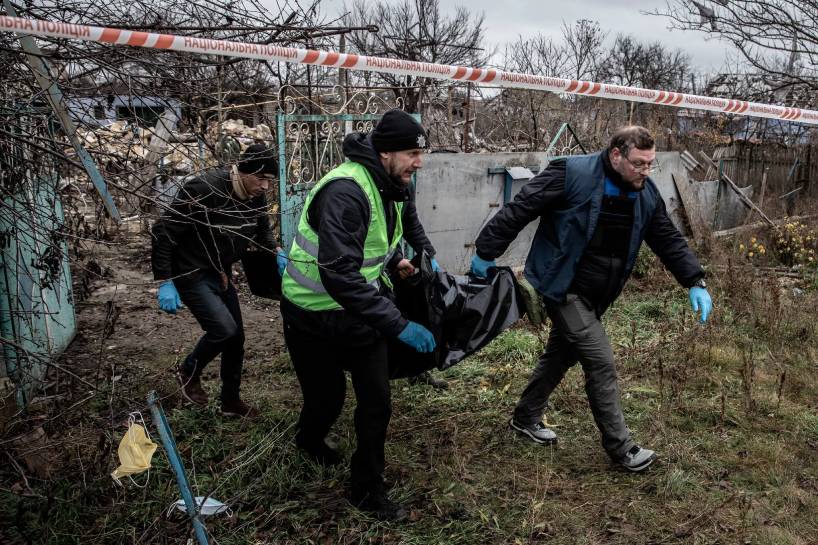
(720, 207)
(668, 164)
(456, 197)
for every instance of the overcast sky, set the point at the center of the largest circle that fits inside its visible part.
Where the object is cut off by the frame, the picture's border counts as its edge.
(507, 19)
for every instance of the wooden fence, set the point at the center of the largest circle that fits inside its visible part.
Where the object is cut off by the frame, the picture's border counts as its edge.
(791, 172)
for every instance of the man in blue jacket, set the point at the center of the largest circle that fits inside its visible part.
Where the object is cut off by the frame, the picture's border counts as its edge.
(595, 211)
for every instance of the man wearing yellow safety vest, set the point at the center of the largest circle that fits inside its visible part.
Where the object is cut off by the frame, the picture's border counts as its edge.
(337, 306)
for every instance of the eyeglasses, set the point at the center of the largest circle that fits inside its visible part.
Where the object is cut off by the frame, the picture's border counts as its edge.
(648, 166)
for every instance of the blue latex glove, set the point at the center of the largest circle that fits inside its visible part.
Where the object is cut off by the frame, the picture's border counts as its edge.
(435, 266)
(480, 267)
(418, 337)
(168, 297)
(281, 261)
(700, 300)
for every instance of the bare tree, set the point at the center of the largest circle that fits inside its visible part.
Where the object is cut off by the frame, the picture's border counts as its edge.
(649, 65)
(779, 38)
(529, 117)
(583, 44)
(416, 30)
(638, 64)
(524, 110)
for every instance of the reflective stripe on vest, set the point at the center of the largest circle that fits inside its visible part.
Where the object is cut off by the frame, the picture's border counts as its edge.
(317, 287)
(301, 283)
(312, 249)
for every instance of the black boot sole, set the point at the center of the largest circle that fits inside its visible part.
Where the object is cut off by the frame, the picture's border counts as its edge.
(395, 513)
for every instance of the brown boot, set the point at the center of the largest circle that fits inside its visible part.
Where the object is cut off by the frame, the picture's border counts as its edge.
(191, 387)
(237, 407)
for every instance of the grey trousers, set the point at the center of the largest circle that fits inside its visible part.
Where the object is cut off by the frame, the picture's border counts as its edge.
(577, 335)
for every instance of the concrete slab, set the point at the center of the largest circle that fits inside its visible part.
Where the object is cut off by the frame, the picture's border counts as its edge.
(731, 211)
(456, 197)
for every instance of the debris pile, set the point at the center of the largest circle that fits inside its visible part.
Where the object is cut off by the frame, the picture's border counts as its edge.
(125, 147)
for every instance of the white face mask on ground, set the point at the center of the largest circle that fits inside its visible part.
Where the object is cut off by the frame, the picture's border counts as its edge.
(207, 507)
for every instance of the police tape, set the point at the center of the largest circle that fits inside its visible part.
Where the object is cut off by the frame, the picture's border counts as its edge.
(351, 61)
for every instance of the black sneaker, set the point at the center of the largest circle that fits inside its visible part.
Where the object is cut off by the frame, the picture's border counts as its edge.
(427, 377)
(320, 453)
(536, 432)
(378, 505)
(637, 459)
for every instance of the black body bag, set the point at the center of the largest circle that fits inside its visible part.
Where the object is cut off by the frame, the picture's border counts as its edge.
(464, 313)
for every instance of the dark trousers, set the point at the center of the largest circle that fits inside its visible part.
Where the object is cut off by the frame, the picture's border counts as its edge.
(218, 312)
(577, 335)
(320, 360)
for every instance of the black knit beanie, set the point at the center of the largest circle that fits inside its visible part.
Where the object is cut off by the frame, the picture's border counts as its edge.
(398, 131)
(258, 159)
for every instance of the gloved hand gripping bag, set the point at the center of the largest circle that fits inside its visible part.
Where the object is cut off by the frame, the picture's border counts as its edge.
(464, 313)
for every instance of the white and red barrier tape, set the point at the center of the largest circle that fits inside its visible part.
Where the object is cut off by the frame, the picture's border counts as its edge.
(481, 76)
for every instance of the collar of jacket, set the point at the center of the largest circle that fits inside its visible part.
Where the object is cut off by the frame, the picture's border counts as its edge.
(238, 187)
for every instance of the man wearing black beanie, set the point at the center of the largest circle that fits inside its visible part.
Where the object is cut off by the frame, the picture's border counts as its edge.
(207, 227)
(336, 304)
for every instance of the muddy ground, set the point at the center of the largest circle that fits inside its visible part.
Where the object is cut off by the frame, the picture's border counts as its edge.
(122, 332)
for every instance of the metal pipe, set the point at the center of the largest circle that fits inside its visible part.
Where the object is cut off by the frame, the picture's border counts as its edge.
(166, 435)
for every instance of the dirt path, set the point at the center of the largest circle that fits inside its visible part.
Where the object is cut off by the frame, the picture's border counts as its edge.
(122, 333)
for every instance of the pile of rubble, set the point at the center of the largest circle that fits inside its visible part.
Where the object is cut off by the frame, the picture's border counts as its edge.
(123, 146)
(238, 130)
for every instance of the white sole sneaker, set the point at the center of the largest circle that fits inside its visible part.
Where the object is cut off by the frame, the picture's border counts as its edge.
(530, 435)
(642, 465)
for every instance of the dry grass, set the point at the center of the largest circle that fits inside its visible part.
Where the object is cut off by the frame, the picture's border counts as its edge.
(730, 407)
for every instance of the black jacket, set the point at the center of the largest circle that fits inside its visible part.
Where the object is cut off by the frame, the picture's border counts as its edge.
(208, 228)
(545, 193)
(339, 213)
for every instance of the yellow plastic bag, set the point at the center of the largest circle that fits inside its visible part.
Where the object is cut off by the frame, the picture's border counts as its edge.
(135, 452)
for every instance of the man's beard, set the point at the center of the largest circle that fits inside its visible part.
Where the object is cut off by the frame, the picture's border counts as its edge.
(397, 190)
(630, 186)
(396, 178)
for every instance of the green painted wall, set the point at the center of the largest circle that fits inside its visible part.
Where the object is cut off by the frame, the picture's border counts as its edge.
(36, 303)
